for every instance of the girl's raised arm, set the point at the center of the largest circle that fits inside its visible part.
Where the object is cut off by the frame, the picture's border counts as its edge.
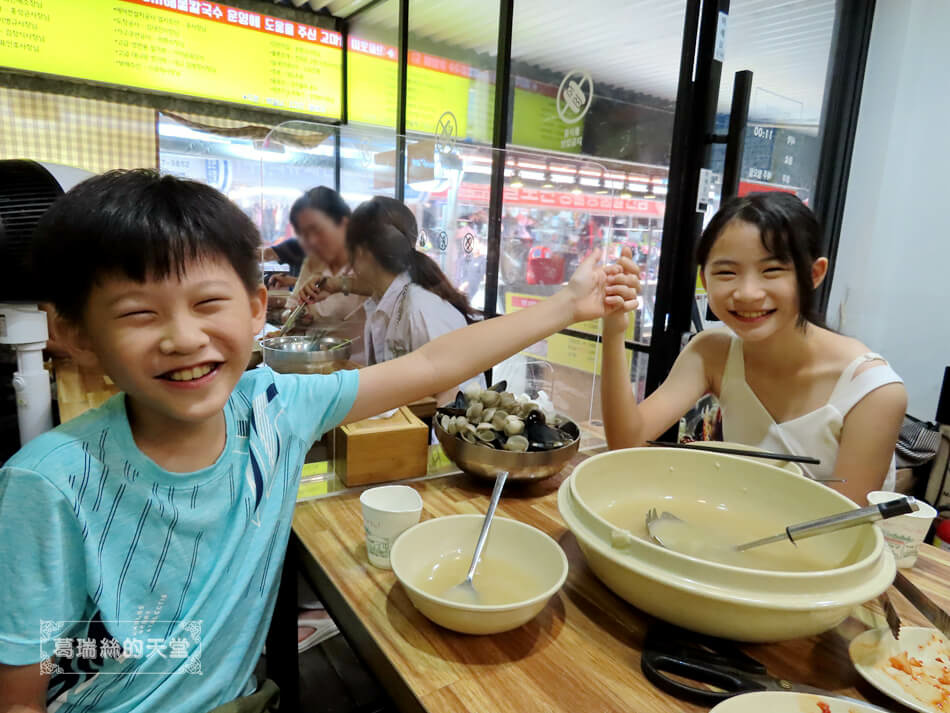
(451, 359)
(628, 424)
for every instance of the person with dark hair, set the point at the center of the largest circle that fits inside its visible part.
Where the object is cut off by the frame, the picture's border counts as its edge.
(287, 252)
(151, 531)
(784, 382)
(320, 218)
(411, 301)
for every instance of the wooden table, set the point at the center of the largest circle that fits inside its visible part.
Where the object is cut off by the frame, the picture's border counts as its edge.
(580, 655)
(79, 389)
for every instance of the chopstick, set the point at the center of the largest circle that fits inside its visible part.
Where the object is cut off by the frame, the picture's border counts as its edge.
(343, 344)
(292, 319)
(739, 452)
(359, 307)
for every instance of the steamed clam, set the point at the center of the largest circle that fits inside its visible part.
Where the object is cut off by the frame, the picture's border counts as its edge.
(495, 418)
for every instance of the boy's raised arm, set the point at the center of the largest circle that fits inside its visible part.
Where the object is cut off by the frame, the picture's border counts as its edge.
(455, 357)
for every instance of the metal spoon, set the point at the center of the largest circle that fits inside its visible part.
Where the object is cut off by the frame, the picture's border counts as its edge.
(466, 589)
(821, 526)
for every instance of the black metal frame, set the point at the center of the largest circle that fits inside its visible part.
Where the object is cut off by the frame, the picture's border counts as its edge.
(499, 157)
(839, 121)
(696, 97)
(402, 89)
(735, 139)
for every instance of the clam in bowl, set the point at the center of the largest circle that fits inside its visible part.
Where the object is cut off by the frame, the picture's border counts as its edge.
(520, 570)
(782, 591)
(504, 435)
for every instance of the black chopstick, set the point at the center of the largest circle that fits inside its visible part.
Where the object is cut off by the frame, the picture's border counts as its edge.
(738, 452)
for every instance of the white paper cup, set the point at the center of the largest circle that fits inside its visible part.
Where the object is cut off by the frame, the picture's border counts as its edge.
(904, 533)
(388, 511)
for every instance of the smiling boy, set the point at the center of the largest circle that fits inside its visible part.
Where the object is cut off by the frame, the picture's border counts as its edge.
(138, 530)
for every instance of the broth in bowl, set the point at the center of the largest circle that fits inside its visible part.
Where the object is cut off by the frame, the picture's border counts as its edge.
(712, 532)
(498, 581)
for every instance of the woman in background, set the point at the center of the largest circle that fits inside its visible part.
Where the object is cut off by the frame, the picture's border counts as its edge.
(320, 217)
(410, 300)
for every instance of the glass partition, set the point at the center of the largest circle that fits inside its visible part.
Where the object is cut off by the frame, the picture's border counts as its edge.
(556, 209)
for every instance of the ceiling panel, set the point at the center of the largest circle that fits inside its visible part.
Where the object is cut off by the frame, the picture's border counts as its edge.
(635, 44)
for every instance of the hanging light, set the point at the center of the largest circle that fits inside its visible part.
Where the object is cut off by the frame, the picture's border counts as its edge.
(517, 182)
(650, 194)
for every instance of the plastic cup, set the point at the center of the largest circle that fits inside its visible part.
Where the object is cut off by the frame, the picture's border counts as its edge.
(904, 533)
(388, 511)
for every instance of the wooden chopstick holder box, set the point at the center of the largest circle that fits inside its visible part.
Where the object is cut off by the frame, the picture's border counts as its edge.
(377, 450)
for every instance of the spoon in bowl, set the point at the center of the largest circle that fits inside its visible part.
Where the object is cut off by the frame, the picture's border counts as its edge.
(465, 591)
(821, 526)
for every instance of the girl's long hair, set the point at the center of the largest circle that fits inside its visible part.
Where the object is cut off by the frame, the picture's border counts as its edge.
(387, 229)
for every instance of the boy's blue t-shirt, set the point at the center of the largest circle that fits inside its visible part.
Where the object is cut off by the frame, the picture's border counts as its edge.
(159, 585)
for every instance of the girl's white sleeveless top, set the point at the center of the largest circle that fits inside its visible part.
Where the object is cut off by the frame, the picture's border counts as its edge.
(817, 433)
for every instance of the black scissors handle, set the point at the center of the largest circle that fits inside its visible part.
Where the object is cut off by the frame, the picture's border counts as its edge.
(657, 664)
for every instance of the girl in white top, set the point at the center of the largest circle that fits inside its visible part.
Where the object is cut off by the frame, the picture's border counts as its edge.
(410, 301)
(784, 381)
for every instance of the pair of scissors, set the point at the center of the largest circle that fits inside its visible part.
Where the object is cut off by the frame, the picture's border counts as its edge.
(695, 660)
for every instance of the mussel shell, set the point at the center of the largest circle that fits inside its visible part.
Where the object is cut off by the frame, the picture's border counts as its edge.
(536, 416)
(499, 386)
(450, 411)
(545, 438)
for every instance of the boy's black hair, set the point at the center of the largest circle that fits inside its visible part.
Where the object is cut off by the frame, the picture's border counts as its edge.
(789, 231)
(323, 199)
(140, 225)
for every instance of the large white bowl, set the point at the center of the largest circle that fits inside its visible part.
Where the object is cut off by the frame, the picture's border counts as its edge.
(705, 596)
(527, 547)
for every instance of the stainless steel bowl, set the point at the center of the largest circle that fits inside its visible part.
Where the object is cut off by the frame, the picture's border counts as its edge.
(487, 462)
(303, 355)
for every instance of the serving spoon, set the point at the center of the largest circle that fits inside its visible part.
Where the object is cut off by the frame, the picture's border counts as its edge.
(466, 590)
(821, 526)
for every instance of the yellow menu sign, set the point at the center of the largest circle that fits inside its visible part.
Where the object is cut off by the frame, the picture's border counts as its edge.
(435, 87)
(186, 47)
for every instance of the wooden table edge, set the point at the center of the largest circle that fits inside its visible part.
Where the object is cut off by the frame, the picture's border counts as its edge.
(356, 633)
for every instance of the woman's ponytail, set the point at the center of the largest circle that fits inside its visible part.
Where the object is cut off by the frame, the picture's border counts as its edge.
(425, 272)
(387, 229)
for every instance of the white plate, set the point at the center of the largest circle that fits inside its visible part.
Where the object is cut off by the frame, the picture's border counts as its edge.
(927, 655)
(781, 702)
